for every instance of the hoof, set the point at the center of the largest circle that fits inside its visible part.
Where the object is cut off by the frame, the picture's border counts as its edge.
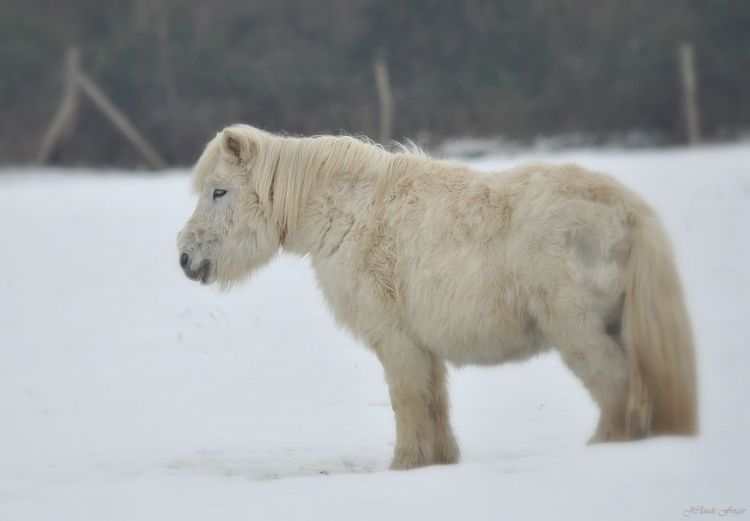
(609, 432)
(407, 463)
(447, 453)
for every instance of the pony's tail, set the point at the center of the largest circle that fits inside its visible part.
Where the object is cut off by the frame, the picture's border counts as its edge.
(658, 339)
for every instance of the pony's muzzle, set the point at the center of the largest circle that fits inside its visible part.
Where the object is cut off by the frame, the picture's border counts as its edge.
(201, 273)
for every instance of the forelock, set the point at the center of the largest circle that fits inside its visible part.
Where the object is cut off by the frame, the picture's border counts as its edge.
(206, 164)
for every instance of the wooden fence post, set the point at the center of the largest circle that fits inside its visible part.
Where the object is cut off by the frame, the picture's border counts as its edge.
(385, 99)
(689, 93)
(63, 119)
(75, 80)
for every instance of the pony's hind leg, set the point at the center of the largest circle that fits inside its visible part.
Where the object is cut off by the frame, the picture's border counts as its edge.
(600, 363)
(580, 333)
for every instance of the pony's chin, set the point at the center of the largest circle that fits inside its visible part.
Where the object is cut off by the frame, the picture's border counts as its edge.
(208, 275)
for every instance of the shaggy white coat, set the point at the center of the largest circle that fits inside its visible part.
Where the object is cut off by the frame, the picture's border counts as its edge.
(429, 261)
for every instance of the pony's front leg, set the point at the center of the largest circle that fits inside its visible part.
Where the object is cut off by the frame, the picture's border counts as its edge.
(445, 448)
(408, 372)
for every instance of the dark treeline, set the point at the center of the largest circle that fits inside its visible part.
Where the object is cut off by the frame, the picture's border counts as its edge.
(181, 69)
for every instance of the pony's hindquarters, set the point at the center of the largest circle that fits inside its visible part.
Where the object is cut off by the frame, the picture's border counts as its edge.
(606, 293)
(658, 340)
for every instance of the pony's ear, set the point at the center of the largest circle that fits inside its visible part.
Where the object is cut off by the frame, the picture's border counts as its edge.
(237, 146)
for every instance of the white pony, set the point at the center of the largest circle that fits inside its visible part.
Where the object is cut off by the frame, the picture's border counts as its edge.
(429, 261)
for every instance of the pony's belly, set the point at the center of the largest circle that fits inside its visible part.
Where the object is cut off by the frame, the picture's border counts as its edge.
(489, 344)
(472, 315)
(465, 322)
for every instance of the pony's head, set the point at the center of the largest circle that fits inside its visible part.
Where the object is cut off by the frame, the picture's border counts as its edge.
(232, 230)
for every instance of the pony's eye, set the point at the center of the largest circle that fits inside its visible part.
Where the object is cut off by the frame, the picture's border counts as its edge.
(219, 192)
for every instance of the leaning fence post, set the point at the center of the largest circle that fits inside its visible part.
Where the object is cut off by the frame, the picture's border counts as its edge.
(120, 121)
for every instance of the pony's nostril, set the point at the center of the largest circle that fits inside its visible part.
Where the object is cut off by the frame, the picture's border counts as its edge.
(184, 259)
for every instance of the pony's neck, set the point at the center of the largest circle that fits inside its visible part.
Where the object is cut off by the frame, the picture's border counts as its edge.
(313, 174)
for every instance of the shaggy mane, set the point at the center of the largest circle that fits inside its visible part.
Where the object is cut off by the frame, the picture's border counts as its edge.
(286, 168)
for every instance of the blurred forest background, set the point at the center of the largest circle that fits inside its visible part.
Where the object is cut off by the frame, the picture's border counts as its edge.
(182, 69)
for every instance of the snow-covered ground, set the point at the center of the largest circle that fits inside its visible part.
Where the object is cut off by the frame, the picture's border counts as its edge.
(129, 393)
